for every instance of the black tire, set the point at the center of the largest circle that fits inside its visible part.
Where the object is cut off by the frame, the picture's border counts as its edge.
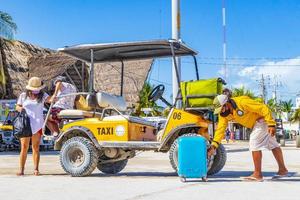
(112, 168)
(78, 156)
(219, 160)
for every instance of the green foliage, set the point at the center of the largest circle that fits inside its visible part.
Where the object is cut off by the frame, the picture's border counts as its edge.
(145, 103)
(9, 20)
(286, 106)
(279, 108)
(296, 117)
(273, 105)
(242, 91)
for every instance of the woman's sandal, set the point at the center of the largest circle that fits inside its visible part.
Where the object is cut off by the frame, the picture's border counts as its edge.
(36, 173)
(280, 176)
(20, 174)
(252, 179)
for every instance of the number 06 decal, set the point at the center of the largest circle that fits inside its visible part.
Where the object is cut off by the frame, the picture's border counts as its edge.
(177, 115)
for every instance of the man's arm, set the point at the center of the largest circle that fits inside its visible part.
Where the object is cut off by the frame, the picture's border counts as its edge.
(58, 86)
(220, 132)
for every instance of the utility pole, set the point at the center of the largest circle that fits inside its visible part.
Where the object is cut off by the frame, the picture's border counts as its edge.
(176, 36)
(262, 84)
(224, 39)
(276, 85)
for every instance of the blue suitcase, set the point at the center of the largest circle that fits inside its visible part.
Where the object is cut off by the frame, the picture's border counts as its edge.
(192, 157)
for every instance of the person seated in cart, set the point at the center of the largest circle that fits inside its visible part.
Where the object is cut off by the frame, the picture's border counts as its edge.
(257, 116)
(60, 103)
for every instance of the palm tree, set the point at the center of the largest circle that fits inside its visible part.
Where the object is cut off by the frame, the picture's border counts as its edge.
(275, 107)
(286, 106)
(8, 20)
(242, 91)
(145, 103)
(296, 117)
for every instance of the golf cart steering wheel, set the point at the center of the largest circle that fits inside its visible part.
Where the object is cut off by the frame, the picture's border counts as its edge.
(156, 93)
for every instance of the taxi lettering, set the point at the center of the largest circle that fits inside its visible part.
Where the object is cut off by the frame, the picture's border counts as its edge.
(106, 131)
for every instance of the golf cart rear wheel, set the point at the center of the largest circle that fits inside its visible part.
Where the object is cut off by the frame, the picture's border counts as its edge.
(112, 168)
(218, 161)
(78, 156)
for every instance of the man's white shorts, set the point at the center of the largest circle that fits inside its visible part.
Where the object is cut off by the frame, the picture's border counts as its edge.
(260, 139)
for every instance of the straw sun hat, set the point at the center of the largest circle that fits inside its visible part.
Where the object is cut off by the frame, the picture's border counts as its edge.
(35, 84)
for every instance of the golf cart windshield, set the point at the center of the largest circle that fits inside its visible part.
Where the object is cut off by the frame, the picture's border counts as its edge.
(110, 52)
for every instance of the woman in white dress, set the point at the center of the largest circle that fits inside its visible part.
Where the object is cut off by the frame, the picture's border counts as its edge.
(32, 101)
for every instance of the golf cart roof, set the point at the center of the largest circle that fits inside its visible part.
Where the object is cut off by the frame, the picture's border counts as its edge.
(109, 52)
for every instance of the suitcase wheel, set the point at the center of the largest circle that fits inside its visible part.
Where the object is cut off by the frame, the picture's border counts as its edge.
(204, 179)
(182, 179)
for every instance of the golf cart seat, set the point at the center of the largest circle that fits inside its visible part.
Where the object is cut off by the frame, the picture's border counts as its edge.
(106, 100)
(77, 114)
(102, 100)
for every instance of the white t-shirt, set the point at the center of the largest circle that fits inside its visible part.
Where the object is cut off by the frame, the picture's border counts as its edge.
(34, 111)
(66, 102)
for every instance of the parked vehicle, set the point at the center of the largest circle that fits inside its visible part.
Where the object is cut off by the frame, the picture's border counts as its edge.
(7, 139)
(90, 139)
(9, 142)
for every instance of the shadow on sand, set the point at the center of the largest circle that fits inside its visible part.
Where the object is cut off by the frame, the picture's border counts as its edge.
(224, 176)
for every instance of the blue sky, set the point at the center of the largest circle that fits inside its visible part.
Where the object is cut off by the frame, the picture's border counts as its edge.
(256, 29)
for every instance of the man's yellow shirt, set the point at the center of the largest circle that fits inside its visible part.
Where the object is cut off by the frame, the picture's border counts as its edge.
(248, 111)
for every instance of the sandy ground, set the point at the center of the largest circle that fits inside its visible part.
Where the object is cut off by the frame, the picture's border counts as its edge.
(150, 176)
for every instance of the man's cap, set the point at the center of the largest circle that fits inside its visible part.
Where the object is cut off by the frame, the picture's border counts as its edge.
(219, 102)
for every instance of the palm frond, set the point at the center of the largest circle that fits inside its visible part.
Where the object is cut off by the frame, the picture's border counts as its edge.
(7, 18)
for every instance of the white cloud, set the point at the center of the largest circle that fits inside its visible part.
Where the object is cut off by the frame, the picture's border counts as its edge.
(247, 71)
(286, 71)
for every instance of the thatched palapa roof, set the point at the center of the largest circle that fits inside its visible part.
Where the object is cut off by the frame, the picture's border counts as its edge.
(107, 75)
(57, 64)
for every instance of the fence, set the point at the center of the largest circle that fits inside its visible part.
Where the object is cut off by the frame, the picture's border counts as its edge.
(5, 30)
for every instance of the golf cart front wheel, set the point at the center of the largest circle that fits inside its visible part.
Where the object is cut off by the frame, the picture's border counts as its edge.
(78, 156)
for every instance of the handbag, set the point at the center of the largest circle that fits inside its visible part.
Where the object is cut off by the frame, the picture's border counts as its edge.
(22, 126)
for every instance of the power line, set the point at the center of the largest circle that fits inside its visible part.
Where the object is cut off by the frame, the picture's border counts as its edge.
(248, 58)
(249, 65)
(238, 65)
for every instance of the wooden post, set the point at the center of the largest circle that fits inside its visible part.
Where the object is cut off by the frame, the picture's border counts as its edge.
(77, 71)
(2, 74)
(69, 77)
